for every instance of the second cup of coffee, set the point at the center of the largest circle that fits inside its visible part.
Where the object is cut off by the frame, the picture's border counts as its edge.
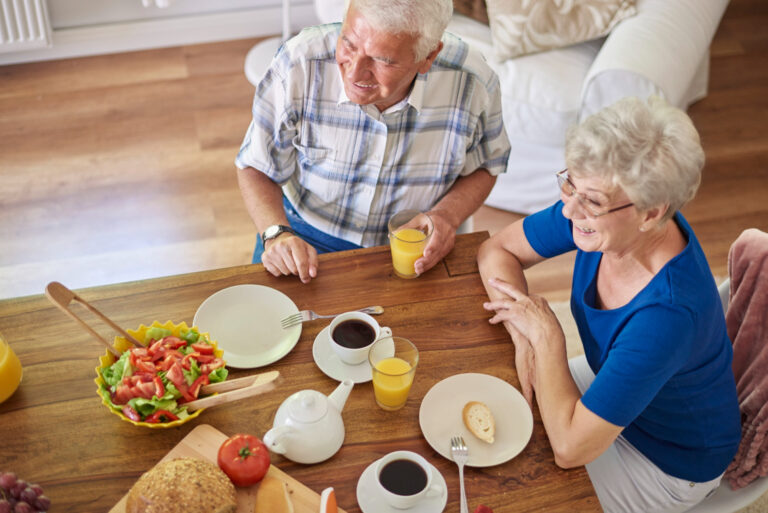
(405, 479)
(352, 334)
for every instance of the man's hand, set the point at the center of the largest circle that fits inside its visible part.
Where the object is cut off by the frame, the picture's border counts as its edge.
(288, 254)
(440, 243)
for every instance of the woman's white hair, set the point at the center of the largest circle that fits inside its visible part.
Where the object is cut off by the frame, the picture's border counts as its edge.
(426, 19)
(648, 148)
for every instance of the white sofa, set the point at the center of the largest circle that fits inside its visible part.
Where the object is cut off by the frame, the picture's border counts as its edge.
(662, 50)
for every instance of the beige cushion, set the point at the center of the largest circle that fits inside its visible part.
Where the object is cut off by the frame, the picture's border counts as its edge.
(520, 27)
(474, 9)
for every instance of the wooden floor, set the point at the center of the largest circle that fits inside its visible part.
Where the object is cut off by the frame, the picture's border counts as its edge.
(120, 167)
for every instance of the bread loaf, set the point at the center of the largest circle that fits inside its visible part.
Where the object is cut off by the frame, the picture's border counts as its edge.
(184, 485)
(479, 420)
(273, 496)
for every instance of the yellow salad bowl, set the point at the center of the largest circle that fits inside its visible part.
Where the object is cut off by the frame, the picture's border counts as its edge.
(121, 344)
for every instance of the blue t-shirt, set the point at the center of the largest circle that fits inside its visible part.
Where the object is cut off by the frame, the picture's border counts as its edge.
(662, 361)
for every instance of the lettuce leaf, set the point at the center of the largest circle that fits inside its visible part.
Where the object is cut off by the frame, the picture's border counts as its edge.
(156, 334)
(149, 406)
(115, 373)
(193, 373)
(220, 374)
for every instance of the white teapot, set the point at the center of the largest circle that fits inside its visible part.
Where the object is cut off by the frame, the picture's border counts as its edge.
(308, 427)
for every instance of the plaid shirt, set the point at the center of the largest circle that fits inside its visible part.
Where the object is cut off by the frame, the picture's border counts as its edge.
(347, 168)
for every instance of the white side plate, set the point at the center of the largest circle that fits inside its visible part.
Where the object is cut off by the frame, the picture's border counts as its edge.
(440, 417)
(245, 321)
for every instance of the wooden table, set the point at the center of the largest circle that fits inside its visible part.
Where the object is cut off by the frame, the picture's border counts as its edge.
(55, 431)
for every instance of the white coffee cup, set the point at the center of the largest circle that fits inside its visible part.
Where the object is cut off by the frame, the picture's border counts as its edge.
(355, 354)
(404, 479)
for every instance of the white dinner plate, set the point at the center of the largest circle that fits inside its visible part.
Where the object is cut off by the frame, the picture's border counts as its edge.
(245, 321)
(440, 417)
(370, 500)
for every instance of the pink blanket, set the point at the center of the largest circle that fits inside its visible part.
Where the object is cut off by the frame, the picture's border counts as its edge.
(747, 322)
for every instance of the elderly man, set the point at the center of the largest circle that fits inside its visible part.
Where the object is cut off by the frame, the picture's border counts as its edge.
(355, 121)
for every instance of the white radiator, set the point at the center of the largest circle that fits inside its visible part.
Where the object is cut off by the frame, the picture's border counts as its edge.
(24, 24)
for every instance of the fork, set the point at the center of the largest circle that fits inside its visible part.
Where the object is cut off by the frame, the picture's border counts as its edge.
(460, 454)
(309, 315)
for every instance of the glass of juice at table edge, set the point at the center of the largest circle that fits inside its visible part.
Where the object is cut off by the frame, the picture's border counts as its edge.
(409, 232)
(393, 365)
(10, 370)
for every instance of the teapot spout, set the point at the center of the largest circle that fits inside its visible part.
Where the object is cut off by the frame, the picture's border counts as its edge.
(339, 396)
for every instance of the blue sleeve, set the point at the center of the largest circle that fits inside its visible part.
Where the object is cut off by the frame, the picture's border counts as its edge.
(650, 349)
(548, 232)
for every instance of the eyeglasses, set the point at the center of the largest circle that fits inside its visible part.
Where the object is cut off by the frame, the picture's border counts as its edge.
(589, 206)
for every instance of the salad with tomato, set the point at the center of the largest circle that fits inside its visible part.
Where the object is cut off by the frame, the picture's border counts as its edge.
(152, 383)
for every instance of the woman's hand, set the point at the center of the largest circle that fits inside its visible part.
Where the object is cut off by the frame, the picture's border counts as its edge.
(531, 324)
(529, 315)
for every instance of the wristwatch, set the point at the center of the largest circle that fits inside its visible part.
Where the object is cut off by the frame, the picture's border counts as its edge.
(273, 231)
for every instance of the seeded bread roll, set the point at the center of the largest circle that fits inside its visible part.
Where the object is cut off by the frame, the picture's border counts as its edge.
(273, 497)
(479, 420)
(184, 485)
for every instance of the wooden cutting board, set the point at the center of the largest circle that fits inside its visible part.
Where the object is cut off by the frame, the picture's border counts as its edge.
(203, 442)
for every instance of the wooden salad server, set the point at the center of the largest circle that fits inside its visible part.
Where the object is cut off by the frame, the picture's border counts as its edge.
(249, 386)
(61, 296)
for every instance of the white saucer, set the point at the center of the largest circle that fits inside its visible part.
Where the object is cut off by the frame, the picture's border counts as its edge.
(332, 366)
(369, 500)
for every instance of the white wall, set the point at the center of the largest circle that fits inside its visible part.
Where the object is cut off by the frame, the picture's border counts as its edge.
(90, 27)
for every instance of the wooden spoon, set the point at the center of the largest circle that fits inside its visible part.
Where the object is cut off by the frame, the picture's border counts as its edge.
(260, 383)
(61, 296)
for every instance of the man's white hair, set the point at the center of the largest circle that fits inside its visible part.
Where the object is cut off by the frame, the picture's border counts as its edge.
(425, 19)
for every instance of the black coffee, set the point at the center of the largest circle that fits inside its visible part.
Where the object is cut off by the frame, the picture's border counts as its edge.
(354, 334)
(403, 477)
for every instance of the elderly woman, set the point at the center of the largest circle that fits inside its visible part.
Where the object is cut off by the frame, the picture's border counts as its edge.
(651, 409)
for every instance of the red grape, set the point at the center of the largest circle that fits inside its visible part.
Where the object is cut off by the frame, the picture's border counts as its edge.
(7, 480)
(23, 507)
(28, 495)
(18, 496)
(43, 503)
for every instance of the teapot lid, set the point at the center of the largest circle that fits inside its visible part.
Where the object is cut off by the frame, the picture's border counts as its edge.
(308, 406)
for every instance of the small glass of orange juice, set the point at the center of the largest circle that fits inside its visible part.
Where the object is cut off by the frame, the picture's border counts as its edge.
(393, 365)
(409, 232)
(10, 370)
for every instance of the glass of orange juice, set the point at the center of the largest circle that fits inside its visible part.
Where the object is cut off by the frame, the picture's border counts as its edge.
(393, 365)
(10, 370)
(409, 232)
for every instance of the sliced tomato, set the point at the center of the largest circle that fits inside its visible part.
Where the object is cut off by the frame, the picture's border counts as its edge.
(204, 358)
(203, 348)
(131, 413)
(159, 387)
(144, 389)
(175, 375)
(156, 347)
(143, 366)
(194, 388)
(207, 368)
(186, 361)
(172, 342)
(122, 394)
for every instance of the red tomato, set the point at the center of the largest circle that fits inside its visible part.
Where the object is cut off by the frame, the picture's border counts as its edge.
(482, 508)
(244, 458)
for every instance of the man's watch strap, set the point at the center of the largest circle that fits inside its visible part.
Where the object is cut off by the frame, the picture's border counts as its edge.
(273, 231)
